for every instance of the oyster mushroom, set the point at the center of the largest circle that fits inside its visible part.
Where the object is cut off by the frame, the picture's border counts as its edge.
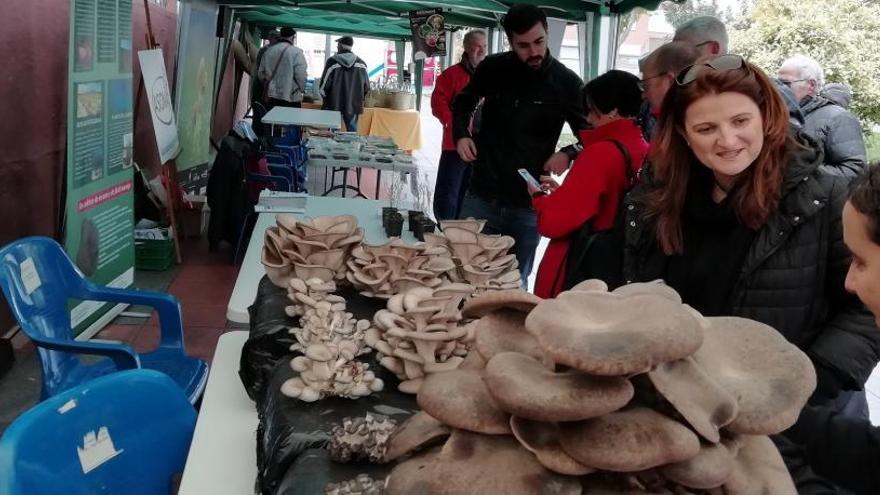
(610, 334)
(542, 439)
(460, 399)
(627, 441)
(414, 434)
(523, 387)
(758, 469)
(708, 469)
(771, 378)
(472, 463)
(488, 302)
(504, 331)
(703, 402)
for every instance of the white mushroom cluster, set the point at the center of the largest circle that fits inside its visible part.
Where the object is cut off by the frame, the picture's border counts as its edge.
(329, 339)
(363, 484)
(395, 267)
(309, 248)
(324, 371)
(420, 333)
(323, 319)
(482, 260)
(361, 438)
(628, 391)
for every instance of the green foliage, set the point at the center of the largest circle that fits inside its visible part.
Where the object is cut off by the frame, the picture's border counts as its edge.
(872, 141)
(679, 13)
(844, 36)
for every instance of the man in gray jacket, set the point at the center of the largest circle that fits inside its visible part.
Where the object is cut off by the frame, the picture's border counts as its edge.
(282, 72)
(826, 117)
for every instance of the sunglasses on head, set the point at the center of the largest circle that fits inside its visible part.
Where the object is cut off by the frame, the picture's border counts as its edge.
(722, 63)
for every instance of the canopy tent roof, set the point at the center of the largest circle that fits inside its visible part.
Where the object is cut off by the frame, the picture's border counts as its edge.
(388, 19)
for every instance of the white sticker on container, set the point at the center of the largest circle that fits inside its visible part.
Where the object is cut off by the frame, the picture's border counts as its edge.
(67, 406)
(29, 276)
(96, 450)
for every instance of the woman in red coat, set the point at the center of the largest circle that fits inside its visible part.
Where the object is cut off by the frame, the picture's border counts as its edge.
(594, 184)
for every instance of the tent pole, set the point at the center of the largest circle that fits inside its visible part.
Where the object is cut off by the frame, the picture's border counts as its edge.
(400, 58)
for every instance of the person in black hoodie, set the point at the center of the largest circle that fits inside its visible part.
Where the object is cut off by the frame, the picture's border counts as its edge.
(738, 216)
(344, 83)
(528, 96)
(847, 450)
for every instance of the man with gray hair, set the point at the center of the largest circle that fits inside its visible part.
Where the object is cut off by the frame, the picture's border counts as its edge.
(826, 116)
(453, 173)
(659, 69)
(705, 33)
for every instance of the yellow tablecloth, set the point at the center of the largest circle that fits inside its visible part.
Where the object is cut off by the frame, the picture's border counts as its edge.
(403, 126)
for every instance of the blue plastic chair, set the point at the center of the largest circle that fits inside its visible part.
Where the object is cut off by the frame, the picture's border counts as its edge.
(38, 279)
(128, 432)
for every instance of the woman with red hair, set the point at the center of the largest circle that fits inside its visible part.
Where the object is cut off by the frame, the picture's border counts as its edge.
(737, 213)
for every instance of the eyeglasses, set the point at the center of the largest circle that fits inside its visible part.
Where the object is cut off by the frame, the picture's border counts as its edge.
(641, 82)
(789, 83)
(722, 63)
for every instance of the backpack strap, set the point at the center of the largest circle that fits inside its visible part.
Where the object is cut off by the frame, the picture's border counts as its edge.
(627, 162)
(585, 230)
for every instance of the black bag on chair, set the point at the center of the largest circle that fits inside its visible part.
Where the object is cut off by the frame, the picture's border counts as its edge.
(597, 253)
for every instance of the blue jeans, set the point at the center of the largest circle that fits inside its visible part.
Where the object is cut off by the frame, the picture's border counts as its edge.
(453, 176)
(351, 122)
(519, 223)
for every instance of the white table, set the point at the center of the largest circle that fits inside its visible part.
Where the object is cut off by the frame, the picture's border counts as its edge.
(222, 457)
(324, 119)
(369, 216)
(394, 166)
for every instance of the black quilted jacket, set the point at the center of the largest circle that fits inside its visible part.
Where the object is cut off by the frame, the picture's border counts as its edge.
(793, 275)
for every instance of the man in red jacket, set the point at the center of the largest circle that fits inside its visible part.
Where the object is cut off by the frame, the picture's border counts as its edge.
(454, 173)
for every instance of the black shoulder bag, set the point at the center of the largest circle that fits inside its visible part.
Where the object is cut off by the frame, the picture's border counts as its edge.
(596, 253)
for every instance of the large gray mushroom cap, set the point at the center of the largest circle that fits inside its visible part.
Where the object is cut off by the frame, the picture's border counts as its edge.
(610, 334)
(478, 464)
(770, 378)
(459, 398)
(523, 387)
(628, 441)
(542, 439)
(504, 330)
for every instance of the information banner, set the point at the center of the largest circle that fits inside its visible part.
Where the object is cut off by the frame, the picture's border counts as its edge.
(194, 93)
(99, 218)
(428, 33)
(159, 97)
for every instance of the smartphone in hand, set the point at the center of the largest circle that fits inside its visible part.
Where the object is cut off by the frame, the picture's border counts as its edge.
(529, 178)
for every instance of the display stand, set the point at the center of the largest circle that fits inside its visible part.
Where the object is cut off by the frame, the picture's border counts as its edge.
(169, 169)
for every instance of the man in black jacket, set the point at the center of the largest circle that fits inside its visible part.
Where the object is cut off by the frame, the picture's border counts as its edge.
(344, 83)
(847, 450)
(529, 95)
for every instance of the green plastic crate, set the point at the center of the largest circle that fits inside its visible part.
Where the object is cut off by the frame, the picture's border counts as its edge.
(153, 254)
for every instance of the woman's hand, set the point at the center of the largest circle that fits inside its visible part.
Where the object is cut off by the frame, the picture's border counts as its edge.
(549, 183)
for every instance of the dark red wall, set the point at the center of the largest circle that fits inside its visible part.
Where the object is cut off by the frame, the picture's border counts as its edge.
(33, 112)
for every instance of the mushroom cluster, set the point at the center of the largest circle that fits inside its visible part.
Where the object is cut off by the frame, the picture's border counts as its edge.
(361, 438)
(323, 319)
(329, 339)
(395, 267)
(482, 260)
(324, 371)
(421, 333)
(309, 248)
(363, 484)
(606, 392)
